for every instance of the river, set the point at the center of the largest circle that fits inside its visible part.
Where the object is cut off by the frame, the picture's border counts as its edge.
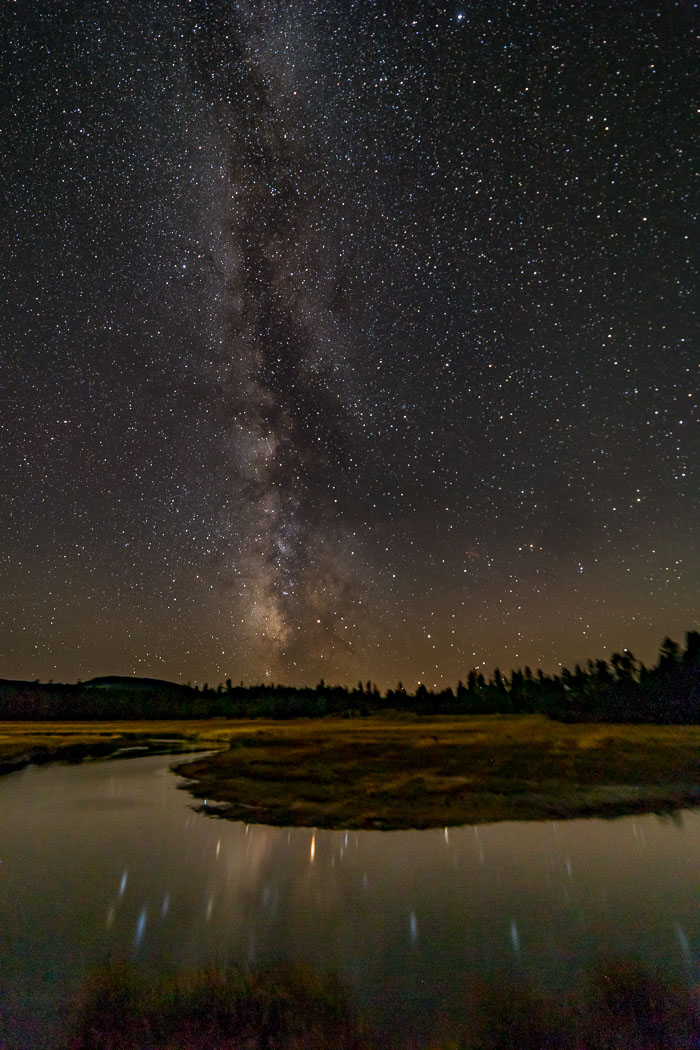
(109, 860)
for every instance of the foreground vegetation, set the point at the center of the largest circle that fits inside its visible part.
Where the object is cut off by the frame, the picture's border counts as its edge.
(621, 690)
(620, 1006)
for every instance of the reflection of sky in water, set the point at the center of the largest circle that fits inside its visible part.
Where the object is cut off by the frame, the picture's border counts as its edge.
(107, 860)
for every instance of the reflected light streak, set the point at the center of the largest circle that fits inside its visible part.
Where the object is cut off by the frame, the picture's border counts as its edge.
(638, 833)
(515, 937)
(685, 946)
(140, 928)
(479, 847)
(413, 923)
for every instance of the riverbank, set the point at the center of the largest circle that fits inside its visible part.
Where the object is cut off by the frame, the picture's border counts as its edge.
(37, 743)
(397, 771)
(409, 772)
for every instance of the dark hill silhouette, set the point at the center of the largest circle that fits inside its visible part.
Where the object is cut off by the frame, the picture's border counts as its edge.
(117, 681)
(107, 697)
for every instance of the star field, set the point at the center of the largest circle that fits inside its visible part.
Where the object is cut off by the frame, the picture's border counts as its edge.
(345, 339)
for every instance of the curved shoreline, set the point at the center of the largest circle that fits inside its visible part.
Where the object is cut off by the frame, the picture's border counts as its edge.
(398, 813)
(395, 772)
(37, 744)
(400, 774)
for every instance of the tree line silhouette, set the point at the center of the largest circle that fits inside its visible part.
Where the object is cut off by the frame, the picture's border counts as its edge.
(619, 690)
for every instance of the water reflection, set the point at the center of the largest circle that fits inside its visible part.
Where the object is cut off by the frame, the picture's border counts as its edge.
(414, 926)
(140, 927)
(403, 916)
(685, 948)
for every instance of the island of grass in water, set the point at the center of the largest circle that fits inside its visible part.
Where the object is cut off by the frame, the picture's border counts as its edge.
(399, 771)
(409, 772)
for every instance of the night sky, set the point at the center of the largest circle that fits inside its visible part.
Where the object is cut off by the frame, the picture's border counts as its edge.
(345, 339)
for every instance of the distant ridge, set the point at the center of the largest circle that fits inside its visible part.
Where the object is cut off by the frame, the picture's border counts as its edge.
(110, 681)
(117, 681)
(105, 697)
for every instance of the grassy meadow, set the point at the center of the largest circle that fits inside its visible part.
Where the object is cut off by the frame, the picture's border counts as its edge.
(400, 771)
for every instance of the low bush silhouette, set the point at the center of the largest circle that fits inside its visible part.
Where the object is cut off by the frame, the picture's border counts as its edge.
(285, 1008)
(620, 1006)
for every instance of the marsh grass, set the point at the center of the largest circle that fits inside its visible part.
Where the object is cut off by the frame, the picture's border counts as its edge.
(285, 1008)
(620, 1006)
(22, 743)
(384, 773)
(398, 772)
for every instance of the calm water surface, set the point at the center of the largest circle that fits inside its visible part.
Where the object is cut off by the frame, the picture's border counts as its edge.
(108, 860)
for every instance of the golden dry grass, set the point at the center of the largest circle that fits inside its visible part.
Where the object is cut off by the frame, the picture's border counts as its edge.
(404, 771)
(410, 772)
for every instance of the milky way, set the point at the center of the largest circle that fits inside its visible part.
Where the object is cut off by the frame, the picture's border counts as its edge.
(283, 364)
(345, 339)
